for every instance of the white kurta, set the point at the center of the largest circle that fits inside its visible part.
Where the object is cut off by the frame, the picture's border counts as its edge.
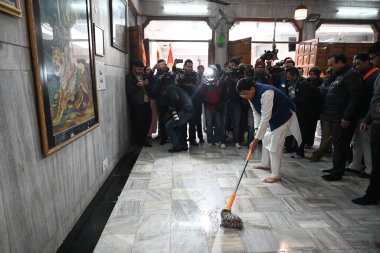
(273, 141)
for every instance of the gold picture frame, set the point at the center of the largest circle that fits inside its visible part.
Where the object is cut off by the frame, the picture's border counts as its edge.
(63, 66)
(11, 7)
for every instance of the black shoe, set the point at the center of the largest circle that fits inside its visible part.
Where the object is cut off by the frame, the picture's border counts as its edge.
(353, 171)
(332, 177)
(147, 144)
(174, 150)
(364, 201)
(363, 174)
(329, 170)
(162, 142)
(194, 143)
(201, 141)
(185, 148)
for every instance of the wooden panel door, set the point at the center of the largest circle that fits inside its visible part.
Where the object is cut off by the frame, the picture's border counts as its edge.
(240, 49)
(135, 43)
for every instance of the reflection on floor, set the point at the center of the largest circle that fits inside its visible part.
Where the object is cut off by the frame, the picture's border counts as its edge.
(172, 203)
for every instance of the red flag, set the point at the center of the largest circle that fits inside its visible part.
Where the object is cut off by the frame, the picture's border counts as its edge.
(170, 57)
(143, 52)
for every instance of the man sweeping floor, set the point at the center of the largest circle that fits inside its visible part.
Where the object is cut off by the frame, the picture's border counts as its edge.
(275, 118)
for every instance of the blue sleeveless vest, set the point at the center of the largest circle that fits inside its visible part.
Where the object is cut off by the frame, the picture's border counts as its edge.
(282, 105)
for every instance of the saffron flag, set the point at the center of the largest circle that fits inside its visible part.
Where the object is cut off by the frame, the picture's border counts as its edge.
(170, 57)
(143, 53)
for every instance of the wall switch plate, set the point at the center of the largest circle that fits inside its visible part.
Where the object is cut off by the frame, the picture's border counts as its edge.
(105, 164)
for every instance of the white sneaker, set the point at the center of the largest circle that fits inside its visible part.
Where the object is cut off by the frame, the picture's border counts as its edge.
(237, 145)
(223, 146)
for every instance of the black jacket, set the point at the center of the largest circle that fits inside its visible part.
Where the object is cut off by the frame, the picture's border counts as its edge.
(342, 99)
(135, 93)
(308, 99)
(178, 99)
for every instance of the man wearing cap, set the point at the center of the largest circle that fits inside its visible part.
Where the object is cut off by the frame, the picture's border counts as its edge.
(138, 101)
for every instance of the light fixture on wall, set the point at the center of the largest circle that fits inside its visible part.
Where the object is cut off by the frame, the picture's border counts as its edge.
(300, 12)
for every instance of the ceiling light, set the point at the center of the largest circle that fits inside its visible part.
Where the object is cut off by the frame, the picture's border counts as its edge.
(351, 11)
(300, 12)
(189, 9)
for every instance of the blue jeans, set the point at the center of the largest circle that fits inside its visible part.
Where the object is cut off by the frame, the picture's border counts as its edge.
(231, 112)
(212, 120)
(174, 127)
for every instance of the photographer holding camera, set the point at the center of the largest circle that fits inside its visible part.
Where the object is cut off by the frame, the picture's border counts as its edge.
(161, 79)
(180, 111)
(189, 81)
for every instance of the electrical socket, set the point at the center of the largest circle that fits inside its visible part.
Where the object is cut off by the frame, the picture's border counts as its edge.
(105, 164)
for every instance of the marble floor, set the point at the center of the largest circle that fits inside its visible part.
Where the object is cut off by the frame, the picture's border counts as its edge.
(172, 203)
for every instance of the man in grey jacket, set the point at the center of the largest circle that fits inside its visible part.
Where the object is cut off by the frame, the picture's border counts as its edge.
(372, 195)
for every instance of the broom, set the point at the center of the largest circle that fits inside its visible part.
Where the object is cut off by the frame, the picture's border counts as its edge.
(230, 220)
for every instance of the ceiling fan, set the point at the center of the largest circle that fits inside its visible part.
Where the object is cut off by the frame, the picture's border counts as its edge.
(218, 2)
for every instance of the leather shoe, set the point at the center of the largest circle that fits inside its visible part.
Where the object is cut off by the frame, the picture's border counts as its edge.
(201, 141)
(329, 170)
(364, 201)
(162, 142)
(174, 150)
(353, 171)
(364, 174)
(332, 177)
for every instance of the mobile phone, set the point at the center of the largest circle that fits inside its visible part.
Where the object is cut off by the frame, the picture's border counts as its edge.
(179, 60)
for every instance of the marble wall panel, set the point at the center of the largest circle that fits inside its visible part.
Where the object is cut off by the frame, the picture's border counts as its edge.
(14, 30)
(42, 198)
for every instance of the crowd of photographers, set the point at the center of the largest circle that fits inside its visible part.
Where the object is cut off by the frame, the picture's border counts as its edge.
(176, 101)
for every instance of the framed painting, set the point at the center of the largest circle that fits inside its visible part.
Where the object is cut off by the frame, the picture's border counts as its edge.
(119, 24)
(99, 40)
(11, 7)
(63, 66)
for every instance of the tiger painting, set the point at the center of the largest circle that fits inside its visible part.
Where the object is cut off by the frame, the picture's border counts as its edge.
(73, 85)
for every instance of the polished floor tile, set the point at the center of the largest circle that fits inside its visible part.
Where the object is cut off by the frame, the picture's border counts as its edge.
(172, 203)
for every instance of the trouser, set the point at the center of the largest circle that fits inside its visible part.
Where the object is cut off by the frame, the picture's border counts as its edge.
(361, 146)
(212, 120)
(231, 112)
(174, 129)
(273, 160)
(141, 116)
(341, 138)
(195, 124)
(251, 126)
(325, 144)
(153, 125)
(373, 190)
(162, 113)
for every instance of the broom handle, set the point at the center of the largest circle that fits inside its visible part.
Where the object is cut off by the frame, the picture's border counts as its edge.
(233, 195)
